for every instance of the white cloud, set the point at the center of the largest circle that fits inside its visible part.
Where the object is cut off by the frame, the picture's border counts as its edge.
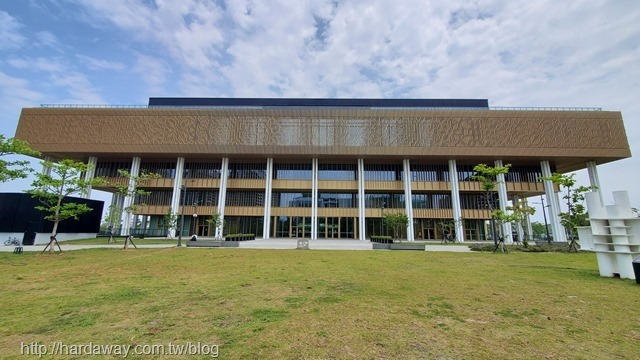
(47, 38)
(37, 64)
(78, 88)
(16, 90)
(515, 53)
(100, 64)
(61, 80)
(153, 71)
(10, 36)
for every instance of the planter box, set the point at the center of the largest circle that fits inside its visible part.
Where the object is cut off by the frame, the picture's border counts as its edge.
(204, 243)
(235, 237)
(381, 240)
(378, 246)
(419, 247)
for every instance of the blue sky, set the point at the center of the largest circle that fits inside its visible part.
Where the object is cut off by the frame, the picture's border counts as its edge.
(515, 53)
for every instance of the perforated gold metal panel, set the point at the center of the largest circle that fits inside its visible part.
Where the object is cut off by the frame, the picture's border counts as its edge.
(567, 138)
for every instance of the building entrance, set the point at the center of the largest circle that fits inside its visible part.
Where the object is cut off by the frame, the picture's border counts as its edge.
(328, 227)
(203, 230)
(335, 228)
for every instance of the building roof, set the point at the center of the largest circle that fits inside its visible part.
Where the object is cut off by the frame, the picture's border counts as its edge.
(317, 102)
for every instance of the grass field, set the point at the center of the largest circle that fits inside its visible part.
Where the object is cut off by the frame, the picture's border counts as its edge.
(291, 304)
(120, 241)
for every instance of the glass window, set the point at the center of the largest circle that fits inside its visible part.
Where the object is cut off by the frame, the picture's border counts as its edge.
(383, 172)
(421, 172)
(292, 171)
(248, 171)
(337, 200)
(337, 171)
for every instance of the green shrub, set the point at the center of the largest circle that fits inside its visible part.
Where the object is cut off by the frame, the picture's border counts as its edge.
(556, 247)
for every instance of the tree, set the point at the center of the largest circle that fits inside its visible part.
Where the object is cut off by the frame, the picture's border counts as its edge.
(131, 188)
(521, 211)
(169, 221)
(112, 219)
(64, 179)
(538, 229)
(216, 222)
(448, 230)
(18, 169)
(576, 214)
(517, 213)
(396, 222)
(488, 178)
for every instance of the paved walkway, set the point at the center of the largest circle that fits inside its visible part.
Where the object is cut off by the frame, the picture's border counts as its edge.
(322, 244)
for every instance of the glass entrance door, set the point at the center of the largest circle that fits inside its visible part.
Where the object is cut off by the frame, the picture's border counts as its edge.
(335, 228)
(203, 230)
(329, 227)
(301, 227)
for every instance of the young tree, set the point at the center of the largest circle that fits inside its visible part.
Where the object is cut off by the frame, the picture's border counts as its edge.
(538, 229)
(18, 169)
(169, 221)
(216, 222)
(131, 188)
(50, 189)
(488, 178)
(517, 214)
(521, 211)
(111, 221)
(447, 228)
(576, 214)
(396, 222)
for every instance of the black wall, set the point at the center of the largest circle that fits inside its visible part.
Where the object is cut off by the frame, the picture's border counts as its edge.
(18, 214)
(299, 102)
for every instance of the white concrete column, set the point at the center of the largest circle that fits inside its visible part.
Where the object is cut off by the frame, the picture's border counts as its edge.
(502, 202)
(455, 200)
(527, 221)
(408, 204)
(268, 189)
(116, 203)
(46, 170)
(128, 200)
(222, 195)
(89, 175)
(559, 203)
(176, 196)
(314, 199)
(554, 207)
(519, 229)
(361, 202)
(594, 179)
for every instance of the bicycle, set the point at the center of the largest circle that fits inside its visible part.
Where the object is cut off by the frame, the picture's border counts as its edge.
(12, 241)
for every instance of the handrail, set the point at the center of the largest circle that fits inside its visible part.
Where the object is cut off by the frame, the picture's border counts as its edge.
(498, 108)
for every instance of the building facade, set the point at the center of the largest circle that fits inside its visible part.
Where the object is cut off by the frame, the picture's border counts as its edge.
(327, 168)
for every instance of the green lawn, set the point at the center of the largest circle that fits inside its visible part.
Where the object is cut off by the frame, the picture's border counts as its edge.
(120, 241)
(292, 304)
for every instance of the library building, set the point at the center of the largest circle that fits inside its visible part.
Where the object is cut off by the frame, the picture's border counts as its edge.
(326, 168)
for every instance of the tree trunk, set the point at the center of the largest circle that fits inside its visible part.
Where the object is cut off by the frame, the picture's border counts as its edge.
(126, 231)
(53, 234)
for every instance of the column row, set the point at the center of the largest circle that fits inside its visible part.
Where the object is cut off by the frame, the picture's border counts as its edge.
(180, 190)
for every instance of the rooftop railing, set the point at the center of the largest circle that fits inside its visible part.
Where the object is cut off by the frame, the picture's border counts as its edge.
(104, 106)
(546, 108)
